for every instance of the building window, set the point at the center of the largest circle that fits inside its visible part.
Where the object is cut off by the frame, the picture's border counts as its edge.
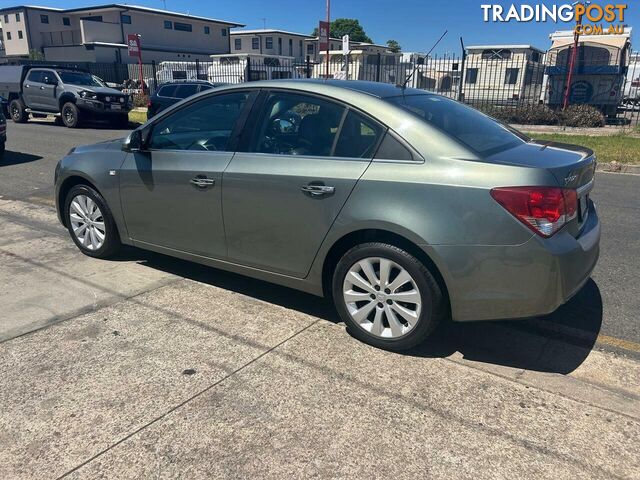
(207, 30)
(255, 43)
(93, 18)
(8, 35)
(17, 17)
(238, 43)
(125, 19)
(224, 32)
(472, 76)
(20, 34)
(44, 18)
(535, 56)
(310, 48)
(182, 27)
(66, 21)
(268, 43)
(168, 25)
(6, 19)
(511, 76)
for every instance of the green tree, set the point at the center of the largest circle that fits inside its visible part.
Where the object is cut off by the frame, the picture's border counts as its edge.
(346, 26)
(35, 55)
(393, 46)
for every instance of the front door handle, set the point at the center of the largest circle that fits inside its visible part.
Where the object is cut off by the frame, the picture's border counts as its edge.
(201, 181)
(318, 190)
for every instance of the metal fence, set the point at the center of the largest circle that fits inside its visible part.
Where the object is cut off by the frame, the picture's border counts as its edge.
(516, 87)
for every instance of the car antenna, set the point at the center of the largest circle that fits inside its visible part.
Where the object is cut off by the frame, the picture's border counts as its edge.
(406, 80)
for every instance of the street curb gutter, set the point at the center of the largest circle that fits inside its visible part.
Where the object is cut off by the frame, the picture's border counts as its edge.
(616, 167)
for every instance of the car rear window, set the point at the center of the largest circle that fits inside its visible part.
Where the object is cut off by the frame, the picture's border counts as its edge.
(167, 91)
(186, 90)
(480, 133)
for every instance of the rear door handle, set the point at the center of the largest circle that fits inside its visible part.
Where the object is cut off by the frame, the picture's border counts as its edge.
(202, 182)
(318, 190)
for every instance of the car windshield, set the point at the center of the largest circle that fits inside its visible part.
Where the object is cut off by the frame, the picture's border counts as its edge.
(81, 78)
(482, 134)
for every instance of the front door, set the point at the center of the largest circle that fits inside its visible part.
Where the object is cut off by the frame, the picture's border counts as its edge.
(303, 157)
(49, 90)
(171, 193)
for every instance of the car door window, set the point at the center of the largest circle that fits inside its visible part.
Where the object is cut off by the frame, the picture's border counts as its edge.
(392, 149)
(359, 137)
(295, 124)
(35, 76)
(167, 91)
(186, 90)
(204, 125)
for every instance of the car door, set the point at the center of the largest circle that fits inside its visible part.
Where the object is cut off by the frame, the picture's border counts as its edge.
(282, 193)
(31, 92)
(171, 192)
(49, 90)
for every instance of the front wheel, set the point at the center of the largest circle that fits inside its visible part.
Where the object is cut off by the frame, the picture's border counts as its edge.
(70, 115)
(386, 297)
(90, 222)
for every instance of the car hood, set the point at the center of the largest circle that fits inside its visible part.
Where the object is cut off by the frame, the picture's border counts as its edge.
(571, 165)
(102, 90)
(100, 146)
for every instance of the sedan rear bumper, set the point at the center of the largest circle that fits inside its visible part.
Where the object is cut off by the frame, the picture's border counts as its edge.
(528, 280)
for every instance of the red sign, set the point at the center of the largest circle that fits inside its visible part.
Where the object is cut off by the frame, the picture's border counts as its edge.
(324, 35)
(133, 43)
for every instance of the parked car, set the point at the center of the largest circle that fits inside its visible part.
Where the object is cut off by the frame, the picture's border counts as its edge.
(403, 206)
(3, 133)
(68, 94)
(172, 92)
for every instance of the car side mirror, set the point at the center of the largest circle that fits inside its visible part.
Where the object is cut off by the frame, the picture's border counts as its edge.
(138, 140)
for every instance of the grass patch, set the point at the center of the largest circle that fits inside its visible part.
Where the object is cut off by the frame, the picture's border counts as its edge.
(614, 148)
(137, 117)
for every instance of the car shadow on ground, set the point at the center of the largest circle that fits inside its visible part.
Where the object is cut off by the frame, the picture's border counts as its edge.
(16, 158)
(85, 125)
(557, 343)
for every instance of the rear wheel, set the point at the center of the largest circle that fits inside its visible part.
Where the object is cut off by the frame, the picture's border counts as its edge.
(386, 297)
(17, 110)
(90, 222)
(70, 115)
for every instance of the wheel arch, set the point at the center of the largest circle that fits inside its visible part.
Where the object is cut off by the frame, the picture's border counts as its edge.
(66, 187)
(366, 235)
(64, 98)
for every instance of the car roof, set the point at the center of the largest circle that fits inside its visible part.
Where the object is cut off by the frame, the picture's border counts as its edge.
(182, 82)
(375, 89)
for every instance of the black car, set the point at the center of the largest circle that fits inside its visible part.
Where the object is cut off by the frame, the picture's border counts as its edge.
(172, 92)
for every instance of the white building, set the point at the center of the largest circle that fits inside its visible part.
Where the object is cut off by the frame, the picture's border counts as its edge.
(99, 33)
(270, 42)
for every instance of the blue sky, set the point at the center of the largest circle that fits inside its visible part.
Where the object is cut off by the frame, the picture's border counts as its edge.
(416, 24)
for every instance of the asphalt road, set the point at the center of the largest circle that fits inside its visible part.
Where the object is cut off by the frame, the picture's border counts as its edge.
(606, 307)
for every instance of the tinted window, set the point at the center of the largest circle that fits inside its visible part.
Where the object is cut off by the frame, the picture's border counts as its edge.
(66, 21)
(125, 18)
(358, 137)
(168, 25)
(471, 76)
(205, 87)
(293, 124)
(392, 149)
(468, 126)
(167, 91)
(204, 125)
(80, 78)
(511, 76)
(35, 76)
(186, 90)
(183, 27)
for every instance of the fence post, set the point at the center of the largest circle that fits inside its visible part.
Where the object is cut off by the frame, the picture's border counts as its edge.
(378, 67)
(197, 69)
(464, 59)
(308, 67)
(155, 79)
(247, 77)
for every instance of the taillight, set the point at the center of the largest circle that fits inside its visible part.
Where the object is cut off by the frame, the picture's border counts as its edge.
(545, 210)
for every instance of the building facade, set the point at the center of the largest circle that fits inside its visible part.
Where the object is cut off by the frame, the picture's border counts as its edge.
(99, 34)
(270, 42)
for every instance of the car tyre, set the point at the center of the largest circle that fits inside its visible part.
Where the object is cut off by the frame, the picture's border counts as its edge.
(79, 211)
(17, 110)
(377, 329)
(2, 149)
(70, 115)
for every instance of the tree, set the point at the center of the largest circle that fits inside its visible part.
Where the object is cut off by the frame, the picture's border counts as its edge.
(346, 26)
(35, 55)
(393, 46)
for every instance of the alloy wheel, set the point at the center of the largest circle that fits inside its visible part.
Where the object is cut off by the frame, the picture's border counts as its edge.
(382, 297)
(87, 222)
(68, 115)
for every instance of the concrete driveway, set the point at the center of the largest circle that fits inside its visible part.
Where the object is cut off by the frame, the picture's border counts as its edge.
(151, 367)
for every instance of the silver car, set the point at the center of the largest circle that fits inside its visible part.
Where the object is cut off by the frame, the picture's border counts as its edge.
(403, 206)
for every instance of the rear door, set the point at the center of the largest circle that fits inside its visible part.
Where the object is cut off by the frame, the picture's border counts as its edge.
(301, 158)
(49, 91)
(32, 89)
